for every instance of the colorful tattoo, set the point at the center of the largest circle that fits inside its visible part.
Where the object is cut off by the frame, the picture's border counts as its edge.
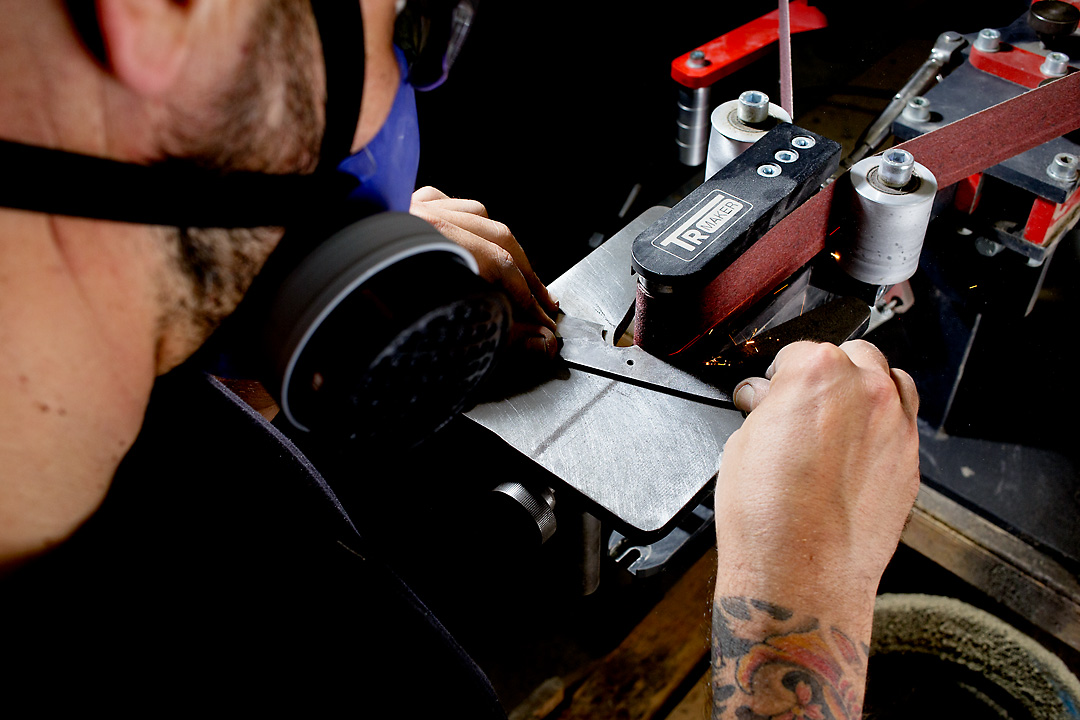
(767, 663)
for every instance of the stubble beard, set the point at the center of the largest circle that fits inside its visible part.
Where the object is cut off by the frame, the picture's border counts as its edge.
(269, 119)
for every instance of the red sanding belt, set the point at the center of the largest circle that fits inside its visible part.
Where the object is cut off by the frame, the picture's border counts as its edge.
(952, 153)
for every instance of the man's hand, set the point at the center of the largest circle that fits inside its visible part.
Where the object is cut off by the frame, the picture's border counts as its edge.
(501, 261)
(812, 495)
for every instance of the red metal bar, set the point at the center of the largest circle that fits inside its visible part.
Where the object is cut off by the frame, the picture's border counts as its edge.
(1048, 220)
(1012, 64)
(743, 45)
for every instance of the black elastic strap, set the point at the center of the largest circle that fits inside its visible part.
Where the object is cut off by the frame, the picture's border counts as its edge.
(341, 31)
(172, 192)
(180, 194)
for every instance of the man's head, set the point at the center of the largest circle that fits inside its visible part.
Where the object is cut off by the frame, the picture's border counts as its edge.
(229, 85)
(93, 310)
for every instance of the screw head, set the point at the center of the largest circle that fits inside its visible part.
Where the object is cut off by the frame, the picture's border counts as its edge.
(769, 170)
(896, 167)
(917, 109)
(1064, 167)
(697, 59)
(753, 107)
(1055, 65)
(988, 40)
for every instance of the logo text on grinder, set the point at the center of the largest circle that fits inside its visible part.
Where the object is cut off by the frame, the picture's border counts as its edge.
(696, 230)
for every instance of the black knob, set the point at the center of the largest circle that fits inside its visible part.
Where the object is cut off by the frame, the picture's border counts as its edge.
(1052, 20)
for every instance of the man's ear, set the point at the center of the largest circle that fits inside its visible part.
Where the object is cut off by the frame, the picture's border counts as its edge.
(146, 42)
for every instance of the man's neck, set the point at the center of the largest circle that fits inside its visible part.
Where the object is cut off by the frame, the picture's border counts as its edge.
(82, 302)
(77, 370)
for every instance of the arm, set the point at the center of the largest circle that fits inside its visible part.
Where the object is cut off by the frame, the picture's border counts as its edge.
(812, 495)
(502, 261)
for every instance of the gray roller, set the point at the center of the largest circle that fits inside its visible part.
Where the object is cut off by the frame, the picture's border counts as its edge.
(738, 124)
(890, 209)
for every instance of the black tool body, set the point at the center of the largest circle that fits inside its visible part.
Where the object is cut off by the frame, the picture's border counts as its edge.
(710, 228)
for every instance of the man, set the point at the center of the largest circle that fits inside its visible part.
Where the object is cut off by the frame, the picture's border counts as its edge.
(163, 544)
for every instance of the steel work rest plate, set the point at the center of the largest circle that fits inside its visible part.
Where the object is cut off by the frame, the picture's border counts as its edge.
(637, 456)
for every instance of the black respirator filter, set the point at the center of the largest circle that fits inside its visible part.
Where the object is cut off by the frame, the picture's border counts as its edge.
(381, 333)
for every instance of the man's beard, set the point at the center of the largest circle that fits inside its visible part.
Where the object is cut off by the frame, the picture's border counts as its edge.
(269, 119)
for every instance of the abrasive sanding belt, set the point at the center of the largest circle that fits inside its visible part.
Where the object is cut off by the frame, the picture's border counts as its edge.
(952, 153)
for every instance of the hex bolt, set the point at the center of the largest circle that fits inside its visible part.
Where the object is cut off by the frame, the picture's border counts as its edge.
(1055, 65)
(697, 59)
(768, 170)
(803, 142)
(753, 107)
(896, 168)
(786, 156)
(988, 40)
(1063, 168)
(917, 109)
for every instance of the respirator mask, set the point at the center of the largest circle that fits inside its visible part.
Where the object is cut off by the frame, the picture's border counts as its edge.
(365, 323)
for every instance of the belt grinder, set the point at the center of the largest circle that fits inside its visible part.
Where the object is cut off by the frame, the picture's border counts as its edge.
(642, 450)
(640, 458)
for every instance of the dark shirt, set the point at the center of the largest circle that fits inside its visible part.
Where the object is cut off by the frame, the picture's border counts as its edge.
(221, 572)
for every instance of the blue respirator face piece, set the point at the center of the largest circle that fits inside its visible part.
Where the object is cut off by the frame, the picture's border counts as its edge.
(365, 324)
(386, 167)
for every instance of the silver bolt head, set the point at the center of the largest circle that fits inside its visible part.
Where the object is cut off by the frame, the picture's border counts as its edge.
(769, 170)
(917, 109)
(896, 167)
(1055, 65)
(753, 107)
(988, 40)
(1064, 167)
(696, 59)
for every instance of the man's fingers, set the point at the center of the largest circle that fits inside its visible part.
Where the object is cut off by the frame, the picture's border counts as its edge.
(750, 392)
(499, 234)
(782, 357)
(498, 253)
(498, 266)
(536, 340)
(862, 354)
(865, 355)
(909, 394)
(458, 205)
(428, 193)
(499, 256)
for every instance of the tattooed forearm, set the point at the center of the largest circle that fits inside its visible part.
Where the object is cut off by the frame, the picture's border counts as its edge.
(770, 663)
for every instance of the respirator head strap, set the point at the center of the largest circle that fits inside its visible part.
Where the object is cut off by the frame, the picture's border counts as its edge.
(172, 192)
(341, 32)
